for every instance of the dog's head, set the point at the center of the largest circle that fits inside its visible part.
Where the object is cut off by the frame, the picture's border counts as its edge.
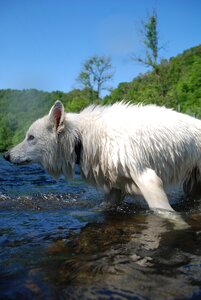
(40, 144)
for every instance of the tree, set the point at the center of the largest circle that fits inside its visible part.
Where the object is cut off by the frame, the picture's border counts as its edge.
(150, 40)
(151, 57)
(95, 73)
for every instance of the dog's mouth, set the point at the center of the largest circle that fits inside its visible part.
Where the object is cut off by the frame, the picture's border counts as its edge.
(21, 163)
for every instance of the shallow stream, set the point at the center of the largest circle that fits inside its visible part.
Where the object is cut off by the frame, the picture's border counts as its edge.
(57, 243)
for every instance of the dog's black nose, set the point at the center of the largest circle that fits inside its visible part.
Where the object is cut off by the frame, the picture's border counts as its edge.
(7, 156)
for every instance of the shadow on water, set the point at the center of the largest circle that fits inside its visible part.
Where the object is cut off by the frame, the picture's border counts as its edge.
(58, 244)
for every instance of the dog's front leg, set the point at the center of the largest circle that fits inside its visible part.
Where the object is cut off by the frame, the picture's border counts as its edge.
(113, 199)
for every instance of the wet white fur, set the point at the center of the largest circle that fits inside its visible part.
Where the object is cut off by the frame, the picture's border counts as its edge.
(127, 149)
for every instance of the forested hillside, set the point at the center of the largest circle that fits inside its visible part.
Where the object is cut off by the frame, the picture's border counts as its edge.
(176, 83)
(18, 109)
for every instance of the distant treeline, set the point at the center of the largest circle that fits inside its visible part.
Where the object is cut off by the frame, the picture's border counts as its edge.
(176, 84)
(18, 109)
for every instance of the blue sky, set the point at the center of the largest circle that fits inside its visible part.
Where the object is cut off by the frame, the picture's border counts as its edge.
(45, 42)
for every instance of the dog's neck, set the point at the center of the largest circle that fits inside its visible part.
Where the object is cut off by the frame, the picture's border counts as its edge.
(78, 151)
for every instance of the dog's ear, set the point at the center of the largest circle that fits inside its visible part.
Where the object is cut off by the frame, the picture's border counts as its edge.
(57, 116)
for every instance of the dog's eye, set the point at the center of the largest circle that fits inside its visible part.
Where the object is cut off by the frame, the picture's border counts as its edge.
(30, 138)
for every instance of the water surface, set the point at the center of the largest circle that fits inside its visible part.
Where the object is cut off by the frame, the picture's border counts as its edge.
(57, 243)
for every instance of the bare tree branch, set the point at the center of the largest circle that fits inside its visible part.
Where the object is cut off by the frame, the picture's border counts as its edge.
(96, 71)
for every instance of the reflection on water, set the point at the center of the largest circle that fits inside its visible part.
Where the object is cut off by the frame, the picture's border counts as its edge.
(58, 244)
(127, 256)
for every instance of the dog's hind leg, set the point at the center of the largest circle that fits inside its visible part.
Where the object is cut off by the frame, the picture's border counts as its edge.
(192, 184)
(151, 187)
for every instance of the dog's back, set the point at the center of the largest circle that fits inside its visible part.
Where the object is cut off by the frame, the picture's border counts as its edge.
(121, 141)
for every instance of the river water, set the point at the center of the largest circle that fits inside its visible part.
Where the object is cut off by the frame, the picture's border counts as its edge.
(56, 242)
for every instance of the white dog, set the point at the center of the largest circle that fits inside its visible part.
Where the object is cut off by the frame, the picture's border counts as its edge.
(122, 148)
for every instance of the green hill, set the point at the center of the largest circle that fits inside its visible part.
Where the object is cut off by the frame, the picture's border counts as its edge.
(177, 84)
